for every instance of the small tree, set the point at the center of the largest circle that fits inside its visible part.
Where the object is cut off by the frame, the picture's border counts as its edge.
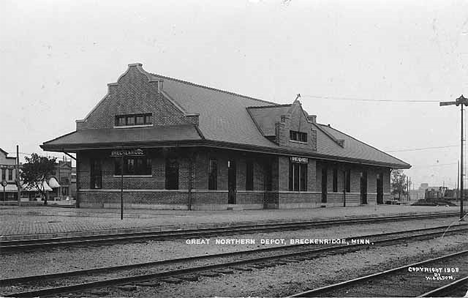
(399, 183)
(36, 171)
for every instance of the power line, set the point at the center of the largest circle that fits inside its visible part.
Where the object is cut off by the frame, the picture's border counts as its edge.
(423, 148)
(368, 99)
(435, 165)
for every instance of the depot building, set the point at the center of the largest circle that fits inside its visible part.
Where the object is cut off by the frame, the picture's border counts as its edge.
(165, 143)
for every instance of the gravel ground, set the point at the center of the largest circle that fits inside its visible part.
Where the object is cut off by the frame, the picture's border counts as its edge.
(284, 280)
(76, 258)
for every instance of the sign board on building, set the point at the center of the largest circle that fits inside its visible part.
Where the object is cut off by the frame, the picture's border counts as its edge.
(297, 159)
(127, 152)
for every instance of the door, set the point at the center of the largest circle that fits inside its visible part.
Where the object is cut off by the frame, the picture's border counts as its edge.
(379, 188)
(363, 187)
(324, 184)
(232, 182)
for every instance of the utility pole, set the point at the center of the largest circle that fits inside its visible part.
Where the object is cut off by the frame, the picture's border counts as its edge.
(459, 102)
(18, 184)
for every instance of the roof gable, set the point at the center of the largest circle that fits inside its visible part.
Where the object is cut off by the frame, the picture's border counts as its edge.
(189, 112)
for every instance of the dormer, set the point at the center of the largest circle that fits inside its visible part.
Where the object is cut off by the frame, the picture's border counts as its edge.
(285, 125)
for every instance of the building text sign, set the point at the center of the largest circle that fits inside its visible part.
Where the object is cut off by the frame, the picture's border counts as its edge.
(127, 152)
(297, 159)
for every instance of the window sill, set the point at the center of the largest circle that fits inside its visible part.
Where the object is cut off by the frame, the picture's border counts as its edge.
(133, 126)
(298, 142)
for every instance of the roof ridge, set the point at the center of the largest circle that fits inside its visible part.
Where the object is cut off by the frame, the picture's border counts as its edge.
(275, 106)
(211, 88)
(367, 144)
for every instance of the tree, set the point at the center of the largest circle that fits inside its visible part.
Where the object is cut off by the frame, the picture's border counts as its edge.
(36, 171)
(399, 183)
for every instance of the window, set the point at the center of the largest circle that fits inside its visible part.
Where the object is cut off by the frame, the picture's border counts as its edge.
(134, 119)
(130, 120)
(172, 173)
(3, 174)
(297, 176)
(298, 136)
(335, 180)
(133, 166)
(10, 174)
(249, 177)
(120, 121)
(213, 175)
(140, 120)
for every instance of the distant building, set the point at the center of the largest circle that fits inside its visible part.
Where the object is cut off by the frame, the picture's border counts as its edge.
(8, 174)
(64, 184)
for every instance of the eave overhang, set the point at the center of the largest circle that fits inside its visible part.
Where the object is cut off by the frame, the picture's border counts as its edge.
(72, 147)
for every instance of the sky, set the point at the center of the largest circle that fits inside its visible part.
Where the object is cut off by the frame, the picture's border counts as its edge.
(373, 69)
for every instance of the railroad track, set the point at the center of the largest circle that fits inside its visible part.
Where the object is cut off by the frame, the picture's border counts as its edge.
(438, 277)
(176, 270)
(19, 245)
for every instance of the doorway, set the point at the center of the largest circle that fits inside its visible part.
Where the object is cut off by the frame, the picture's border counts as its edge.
(232, 181)
(363, 187)
(380, 188)
(96, 174)
(324, 184)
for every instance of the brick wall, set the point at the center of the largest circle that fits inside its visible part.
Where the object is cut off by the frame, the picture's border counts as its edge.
(133, 94)
(150, 190)
(295, 121)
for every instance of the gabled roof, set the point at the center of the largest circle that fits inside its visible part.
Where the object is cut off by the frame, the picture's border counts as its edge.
(227, 120)
(223, 115)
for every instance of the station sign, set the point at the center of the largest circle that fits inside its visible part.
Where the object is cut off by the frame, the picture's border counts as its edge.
(127, 152)
(297, 159)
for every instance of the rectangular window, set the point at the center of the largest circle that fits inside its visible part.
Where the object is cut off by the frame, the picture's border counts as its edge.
(134, 119)
(10, 174)
(213, 175)
(148, 119)
(133, 165)
(120, 121)
(130, 120)
(172, 173)
(249, 175)
(297, 177)
(348, 180)
(3, 174)
(298, 136)
(335, 180)
(140, 120)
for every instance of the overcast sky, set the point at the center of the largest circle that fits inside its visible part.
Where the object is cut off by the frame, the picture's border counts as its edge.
(57, 58)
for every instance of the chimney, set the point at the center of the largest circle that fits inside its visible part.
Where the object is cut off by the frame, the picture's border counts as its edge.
(312, 118)
(160, 86)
